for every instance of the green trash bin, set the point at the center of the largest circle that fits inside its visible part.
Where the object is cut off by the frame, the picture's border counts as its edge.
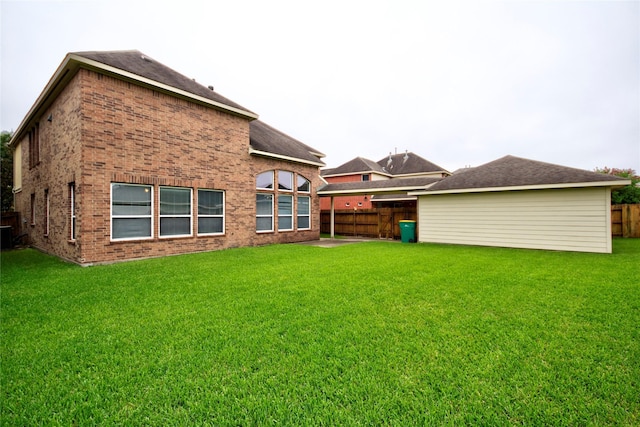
(408, 231)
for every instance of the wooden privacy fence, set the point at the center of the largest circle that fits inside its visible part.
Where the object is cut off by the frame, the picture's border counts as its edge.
(380, 223)
(625, 220)
(11, 219)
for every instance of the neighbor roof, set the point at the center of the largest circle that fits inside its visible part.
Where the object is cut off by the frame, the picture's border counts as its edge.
(408, 164)
(512, 172)
(353, 166)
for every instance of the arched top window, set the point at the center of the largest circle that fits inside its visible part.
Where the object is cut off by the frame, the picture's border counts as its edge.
(304, 186)
(285, 181)
(264, 180)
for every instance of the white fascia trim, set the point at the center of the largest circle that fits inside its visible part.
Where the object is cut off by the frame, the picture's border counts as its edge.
(282, 157)
(525, 187)
(130, 76)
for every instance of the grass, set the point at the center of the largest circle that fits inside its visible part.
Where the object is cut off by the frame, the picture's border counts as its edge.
(375, 333)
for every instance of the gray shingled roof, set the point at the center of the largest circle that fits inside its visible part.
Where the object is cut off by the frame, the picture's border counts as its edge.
(367, 187)
(408, 163)
(136, 62)
(357, 165)
(511, 171)
(268, 139)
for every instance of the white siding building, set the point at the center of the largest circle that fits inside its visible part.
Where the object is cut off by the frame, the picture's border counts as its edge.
(520, 203)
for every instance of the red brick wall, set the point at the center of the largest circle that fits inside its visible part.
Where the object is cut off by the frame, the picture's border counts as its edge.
(342, 201)
(132, 134)
(59, 165)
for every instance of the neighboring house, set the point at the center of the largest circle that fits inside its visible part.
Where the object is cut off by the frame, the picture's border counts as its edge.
(122, 158)
(520, 203)
(366, 172)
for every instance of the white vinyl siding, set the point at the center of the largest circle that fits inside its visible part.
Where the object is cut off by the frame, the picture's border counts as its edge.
(565, 219)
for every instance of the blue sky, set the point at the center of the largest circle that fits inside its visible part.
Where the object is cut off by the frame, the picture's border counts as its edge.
(456, 82)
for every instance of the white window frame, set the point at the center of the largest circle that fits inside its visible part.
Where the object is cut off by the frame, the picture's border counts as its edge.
(298, 215)
(161, 216)
(212, 216)
(264, 215)
(272, 173)
(72, 216)
(305, 181)
(47, 220)
(290, 216)
(150, 215)
(289, 174)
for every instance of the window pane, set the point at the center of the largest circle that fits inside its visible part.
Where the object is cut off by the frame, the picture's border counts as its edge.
(303, 184)
(264, 224)
(264, 205)
(285, 205)
(175, 226)
(128, 228)
(303, 222)
(175, 201)
(303, 205)
(285, 180)
(209, 225)
(285, 223)
(265, 180)
(210, 202)
(131, 200)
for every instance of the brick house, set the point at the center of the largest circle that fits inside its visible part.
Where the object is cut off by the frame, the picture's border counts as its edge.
(393, 167)
(122, 158)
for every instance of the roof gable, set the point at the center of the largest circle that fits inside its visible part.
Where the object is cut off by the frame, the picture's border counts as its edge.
(357, 165)
(408, 164)
(511, 171)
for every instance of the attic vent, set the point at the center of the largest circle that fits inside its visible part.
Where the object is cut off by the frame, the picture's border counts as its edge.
(406, 156)
(210, 87)
(389, 160)
(144, 58)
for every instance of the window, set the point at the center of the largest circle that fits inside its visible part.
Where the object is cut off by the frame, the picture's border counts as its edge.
(285, 181)
(304, 186)
(285, 212)
(210, 212)
(264, 212)
(33, 209)
(365, 177)
(304, 212)
(34, 146)
(264, 181)
(46, 212)
(175, 212)
(72, 197)
(131, 211)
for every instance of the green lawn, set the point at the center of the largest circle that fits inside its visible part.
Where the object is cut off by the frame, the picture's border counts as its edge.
(375, 333)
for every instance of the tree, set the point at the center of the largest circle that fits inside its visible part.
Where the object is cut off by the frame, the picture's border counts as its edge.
(625, 195)
(6, 172)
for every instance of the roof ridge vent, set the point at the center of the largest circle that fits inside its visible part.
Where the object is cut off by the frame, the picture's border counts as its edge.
(406, 156)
